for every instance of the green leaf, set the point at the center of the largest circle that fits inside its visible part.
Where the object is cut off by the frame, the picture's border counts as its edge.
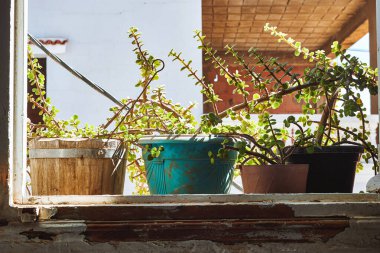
(310, 149)
(275, 105)
(256, 96)
(291, 119)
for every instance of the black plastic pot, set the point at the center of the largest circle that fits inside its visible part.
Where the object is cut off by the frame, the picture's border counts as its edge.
(331, 168)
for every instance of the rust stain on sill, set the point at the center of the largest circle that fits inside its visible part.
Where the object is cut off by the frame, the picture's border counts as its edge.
(227, 231)
(180, 212)
(227, 224)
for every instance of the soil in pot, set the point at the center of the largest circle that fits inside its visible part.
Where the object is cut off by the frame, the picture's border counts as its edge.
(331, 169)
(277, 178)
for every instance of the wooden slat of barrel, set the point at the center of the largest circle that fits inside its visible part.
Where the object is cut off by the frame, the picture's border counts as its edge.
(75, 176)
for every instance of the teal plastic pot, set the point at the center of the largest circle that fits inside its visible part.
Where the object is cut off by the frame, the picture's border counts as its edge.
(184, 166)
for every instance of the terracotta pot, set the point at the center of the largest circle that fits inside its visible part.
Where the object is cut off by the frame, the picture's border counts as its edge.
(278, 178)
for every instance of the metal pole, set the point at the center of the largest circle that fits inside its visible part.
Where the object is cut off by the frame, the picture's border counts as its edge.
(73, 71)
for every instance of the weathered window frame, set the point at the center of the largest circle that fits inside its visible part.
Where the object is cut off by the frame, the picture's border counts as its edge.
(17, 159)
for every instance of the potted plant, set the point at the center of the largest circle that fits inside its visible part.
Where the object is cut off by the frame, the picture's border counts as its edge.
(261, 147)
(177, 155)
(321, 89)
(331, 149)
(186, 164)
(263, 154)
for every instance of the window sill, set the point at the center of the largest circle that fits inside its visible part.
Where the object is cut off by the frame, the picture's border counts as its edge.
(183, 207)
(74, 200)
(219, 218)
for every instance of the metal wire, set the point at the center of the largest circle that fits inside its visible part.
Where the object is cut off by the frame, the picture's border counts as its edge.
(73, 71)
(95, 86)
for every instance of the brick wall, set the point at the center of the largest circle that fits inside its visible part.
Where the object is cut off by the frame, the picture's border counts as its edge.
(224, 90)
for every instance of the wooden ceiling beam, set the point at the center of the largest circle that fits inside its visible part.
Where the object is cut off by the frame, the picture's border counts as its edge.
(354, 29)
(362, 30)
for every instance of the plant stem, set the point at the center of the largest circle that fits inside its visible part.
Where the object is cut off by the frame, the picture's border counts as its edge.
(265, 158)
(241, 106)
(324, 117)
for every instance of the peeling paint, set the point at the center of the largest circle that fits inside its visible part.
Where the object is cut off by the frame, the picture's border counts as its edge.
(42, 235)
(328, 209)
(46, 213)
(317, 235)
(27, 214)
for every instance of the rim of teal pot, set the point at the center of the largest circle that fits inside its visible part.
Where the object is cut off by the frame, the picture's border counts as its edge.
(182, 138)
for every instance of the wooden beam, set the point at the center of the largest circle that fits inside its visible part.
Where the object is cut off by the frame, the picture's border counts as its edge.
(352, 28)
(6, 78)
(373, 47)
(356, 35)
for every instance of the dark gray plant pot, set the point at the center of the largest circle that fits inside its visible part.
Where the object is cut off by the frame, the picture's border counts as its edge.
(331, 168)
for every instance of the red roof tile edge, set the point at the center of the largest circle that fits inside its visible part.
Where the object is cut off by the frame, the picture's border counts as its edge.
(52, 41)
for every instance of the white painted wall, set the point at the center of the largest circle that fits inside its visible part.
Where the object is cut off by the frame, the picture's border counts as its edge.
(100, 49)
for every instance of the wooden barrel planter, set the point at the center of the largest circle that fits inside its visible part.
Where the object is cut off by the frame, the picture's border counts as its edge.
(76, 166)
